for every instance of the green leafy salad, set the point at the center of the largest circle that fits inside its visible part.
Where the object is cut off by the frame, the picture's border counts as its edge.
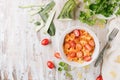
(93, 8)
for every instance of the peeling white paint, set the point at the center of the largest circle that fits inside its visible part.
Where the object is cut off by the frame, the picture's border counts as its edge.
(20, 49)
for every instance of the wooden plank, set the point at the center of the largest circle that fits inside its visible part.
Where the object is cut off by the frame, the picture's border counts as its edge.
(21, 55)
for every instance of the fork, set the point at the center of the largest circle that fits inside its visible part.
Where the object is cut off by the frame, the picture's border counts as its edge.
(110, 38)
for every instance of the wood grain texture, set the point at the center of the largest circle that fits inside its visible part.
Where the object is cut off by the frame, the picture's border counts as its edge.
(21, 55)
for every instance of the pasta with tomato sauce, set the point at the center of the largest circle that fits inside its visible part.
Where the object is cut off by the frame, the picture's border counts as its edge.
(79, 46)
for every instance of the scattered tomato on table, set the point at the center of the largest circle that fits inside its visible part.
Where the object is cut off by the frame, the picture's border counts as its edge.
(45, 41)
(99, 77)
(57, 55)
(50, 64)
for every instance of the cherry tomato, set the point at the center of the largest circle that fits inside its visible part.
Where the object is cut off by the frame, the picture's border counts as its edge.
(76, 32)
(88, 47)
(92, 43)
(57, 55)
(78, 46)
(87, 58)
(79, 54)
(45, 41)
(72, 44)
(67, 45)
(50, 64)
(99, 77)
(72, 55)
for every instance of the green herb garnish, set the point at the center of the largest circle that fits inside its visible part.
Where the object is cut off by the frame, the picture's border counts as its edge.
(63, 66)
(60, 69)
(66, 68)
(68, 75)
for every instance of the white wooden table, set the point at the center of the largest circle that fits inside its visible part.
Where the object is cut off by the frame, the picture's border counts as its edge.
(21, 55)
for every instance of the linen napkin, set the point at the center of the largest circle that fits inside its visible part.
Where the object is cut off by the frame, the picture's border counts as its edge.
(111, 63)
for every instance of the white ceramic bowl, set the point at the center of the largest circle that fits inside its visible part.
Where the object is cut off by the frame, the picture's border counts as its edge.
(107, 18)
(95, 53)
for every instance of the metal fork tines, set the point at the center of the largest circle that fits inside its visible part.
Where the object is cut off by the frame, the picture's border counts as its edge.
(113, 34)
(110, 38)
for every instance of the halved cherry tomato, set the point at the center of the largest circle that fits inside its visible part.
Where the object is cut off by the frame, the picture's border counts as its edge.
(50, 64)
(72, 44)
(78, 46)
(79, 54)
(45, 41)
(72, 55)
(57, 55)
(67, 45)
(92, 43)
(99, 77)
(88, 47)
(76, 32)
(87, 58)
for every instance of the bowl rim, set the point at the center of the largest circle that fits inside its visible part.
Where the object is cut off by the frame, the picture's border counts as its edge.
(96, 51)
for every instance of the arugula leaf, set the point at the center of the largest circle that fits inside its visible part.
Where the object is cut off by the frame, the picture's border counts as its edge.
(104, 7)
(118, 12)
(90, 19)
(94, 7)
(86, 17)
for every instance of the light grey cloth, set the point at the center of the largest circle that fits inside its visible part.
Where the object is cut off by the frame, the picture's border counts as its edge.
(111, 64)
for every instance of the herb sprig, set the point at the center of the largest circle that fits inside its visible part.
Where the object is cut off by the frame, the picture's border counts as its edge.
(65, 67)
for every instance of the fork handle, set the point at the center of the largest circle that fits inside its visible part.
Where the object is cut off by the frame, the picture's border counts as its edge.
(100, 57)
